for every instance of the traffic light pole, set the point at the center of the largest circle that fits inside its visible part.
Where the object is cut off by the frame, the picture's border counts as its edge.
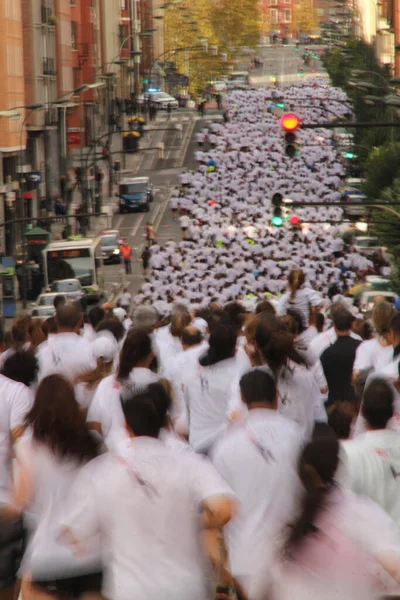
(346, 124)
(385, 207)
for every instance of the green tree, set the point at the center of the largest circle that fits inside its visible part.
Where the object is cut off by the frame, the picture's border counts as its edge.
(236, 23)
(382, 168)
(386, 227)
(305, 18)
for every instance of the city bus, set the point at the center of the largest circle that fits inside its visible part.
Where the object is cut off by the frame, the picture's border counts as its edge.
(76, 259)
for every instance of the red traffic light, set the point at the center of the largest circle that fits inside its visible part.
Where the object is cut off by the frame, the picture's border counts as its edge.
(289, 122)
(294, 220)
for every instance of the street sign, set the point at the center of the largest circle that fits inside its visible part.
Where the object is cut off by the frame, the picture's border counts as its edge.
(35, 177)
(24, 168)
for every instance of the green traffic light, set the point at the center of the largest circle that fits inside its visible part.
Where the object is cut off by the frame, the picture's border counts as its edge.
(281, 105)
(145, 81)
(277, 221)
(349, 155)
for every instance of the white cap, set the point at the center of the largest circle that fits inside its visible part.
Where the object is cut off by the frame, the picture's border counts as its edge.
(105, 347)
(120, 313)
(201, 325)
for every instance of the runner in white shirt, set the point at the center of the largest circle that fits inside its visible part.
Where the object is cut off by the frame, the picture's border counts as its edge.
(378, 352)
(105, 350)
(208, 388)
(49, 456)
(67, 352)
(105, 413)
(157, 497)
(15, 400)
(372, 459)
(299, 394)
(167, 344)
(193, 347)
(336, 541)
(299, 297)
(258, 459)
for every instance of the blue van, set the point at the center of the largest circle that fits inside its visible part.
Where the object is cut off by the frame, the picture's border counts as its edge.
(135, 193)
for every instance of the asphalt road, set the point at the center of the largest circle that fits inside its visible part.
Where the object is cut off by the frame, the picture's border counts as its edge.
(164, 175)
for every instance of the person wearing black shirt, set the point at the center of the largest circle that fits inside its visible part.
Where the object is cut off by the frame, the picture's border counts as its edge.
(337, 360)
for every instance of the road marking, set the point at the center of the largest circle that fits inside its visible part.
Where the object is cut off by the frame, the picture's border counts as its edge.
(135, 229)
(119, 222)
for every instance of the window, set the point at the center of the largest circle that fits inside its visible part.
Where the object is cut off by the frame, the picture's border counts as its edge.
(287, 1)
(123, 4)
(320, 12)
(273, 15)
(74, 35)
(273, 2)
(123, 35)
(287, 15)
(76, 74)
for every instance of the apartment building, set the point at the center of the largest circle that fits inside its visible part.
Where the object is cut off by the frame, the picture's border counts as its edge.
(12, 94)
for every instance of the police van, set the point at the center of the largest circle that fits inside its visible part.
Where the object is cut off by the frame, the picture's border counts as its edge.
(135, 193)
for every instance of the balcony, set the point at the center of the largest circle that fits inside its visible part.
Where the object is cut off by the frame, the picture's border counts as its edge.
(49, 67)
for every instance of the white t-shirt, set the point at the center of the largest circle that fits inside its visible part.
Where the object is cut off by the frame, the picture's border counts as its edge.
(371, 354)
(125, 299)
(106, 404)
(167, 347)
(184, 221)
(325, 339)
(175, 373)
(207, 392)
(339, 563)
(372, 468)
(147, 505)
(52, 478)
(300, 303)
(68, 354)
(15, 401)
(258, 460)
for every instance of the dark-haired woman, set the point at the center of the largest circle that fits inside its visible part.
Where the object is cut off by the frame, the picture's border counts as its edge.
(337, 543)
(208, 388)
(57, 444)
(133, 374)
(299, 396)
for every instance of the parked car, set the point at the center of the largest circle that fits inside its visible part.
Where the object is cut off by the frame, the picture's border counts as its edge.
(43, 308)
(366, 245)
(355, 200)
(110, 240)
(369, 298)
(217, 87)
(70, 287)
(161, 99)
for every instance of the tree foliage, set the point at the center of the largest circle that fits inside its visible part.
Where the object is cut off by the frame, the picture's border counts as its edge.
(226, 25)
(382, 169)
(236, 23)
(305, 18)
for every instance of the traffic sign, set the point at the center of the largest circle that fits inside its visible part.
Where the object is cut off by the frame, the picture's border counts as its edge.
(35, 177)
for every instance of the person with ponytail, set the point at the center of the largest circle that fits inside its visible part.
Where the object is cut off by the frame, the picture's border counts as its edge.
(299, 394)
(299, 297)
(133, 374)
(55, 447)
(167, 342)
(336, 541)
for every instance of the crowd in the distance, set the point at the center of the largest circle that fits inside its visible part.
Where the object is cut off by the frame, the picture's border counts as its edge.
(207, 435)
(229, 249)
